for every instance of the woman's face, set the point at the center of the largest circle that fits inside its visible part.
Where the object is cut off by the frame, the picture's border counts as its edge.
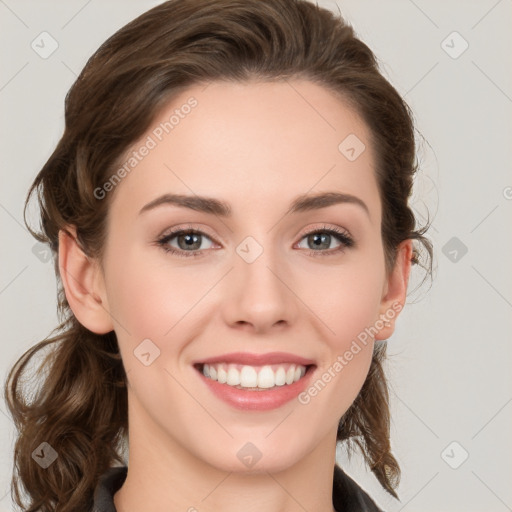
(252, 280)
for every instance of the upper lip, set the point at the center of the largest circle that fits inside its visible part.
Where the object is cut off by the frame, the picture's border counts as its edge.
(257, 359)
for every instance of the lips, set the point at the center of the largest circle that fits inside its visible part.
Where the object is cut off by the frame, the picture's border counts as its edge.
(256, 381)
(257, 359)
(255, 371)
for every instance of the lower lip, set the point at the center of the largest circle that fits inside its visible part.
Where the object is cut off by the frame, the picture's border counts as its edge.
(258, 400)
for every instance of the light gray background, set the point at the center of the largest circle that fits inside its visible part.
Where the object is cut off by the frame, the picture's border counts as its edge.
(450, 358)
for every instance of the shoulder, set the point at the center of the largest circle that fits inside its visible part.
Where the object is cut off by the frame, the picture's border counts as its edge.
(108, 484)
(348, 496)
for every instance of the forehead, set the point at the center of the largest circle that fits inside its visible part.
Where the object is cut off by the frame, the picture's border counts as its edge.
(254, 144)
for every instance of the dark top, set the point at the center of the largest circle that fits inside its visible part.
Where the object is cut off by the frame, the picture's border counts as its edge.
(347, 496)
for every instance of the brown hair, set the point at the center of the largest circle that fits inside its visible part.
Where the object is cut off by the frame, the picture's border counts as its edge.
(81, 407)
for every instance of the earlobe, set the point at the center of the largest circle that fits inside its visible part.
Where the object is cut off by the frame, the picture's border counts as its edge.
(83, 284)
(393, 299)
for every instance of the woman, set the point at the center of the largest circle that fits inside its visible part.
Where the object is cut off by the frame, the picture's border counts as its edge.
(228, 211)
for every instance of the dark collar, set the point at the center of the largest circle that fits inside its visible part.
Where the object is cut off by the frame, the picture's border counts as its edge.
(347, 496)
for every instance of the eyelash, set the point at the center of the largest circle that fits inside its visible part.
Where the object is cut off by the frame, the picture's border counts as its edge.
(341, 235)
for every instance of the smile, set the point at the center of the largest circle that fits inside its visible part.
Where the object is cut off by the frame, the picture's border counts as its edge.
(254, 377)
(255, 382)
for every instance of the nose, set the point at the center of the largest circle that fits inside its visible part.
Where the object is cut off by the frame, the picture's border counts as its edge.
(259, 295)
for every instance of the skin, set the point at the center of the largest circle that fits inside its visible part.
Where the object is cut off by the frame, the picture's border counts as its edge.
(256, 146)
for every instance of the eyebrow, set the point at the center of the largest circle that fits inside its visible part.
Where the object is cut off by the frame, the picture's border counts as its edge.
(220, 208)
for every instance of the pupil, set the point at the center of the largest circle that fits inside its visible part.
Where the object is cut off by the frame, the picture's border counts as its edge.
(320, 239)
(190, 239)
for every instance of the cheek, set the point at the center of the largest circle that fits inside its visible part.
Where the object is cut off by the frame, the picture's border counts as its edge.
(346, 308)
(345, 299)
(149, 297)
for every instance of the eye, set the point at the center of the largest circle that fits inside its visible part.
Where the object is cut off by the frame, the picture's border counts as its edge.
(188, 241)
(321, 239)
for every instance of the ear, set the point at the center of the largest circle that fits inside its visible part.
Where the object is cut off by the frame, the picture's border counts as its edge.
(395, 290)
(83, 284)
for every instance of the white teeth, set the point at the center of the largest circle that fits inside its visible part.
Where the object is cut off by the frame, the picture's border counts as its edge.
(281, 376)
(222, 375)
(290, 374)
(248, 377)
(266, 378)
(263, 377)
(233, 377)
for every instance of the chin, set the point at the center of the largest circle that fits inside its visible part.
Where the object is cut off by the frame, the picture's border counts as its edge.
(256, 457)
